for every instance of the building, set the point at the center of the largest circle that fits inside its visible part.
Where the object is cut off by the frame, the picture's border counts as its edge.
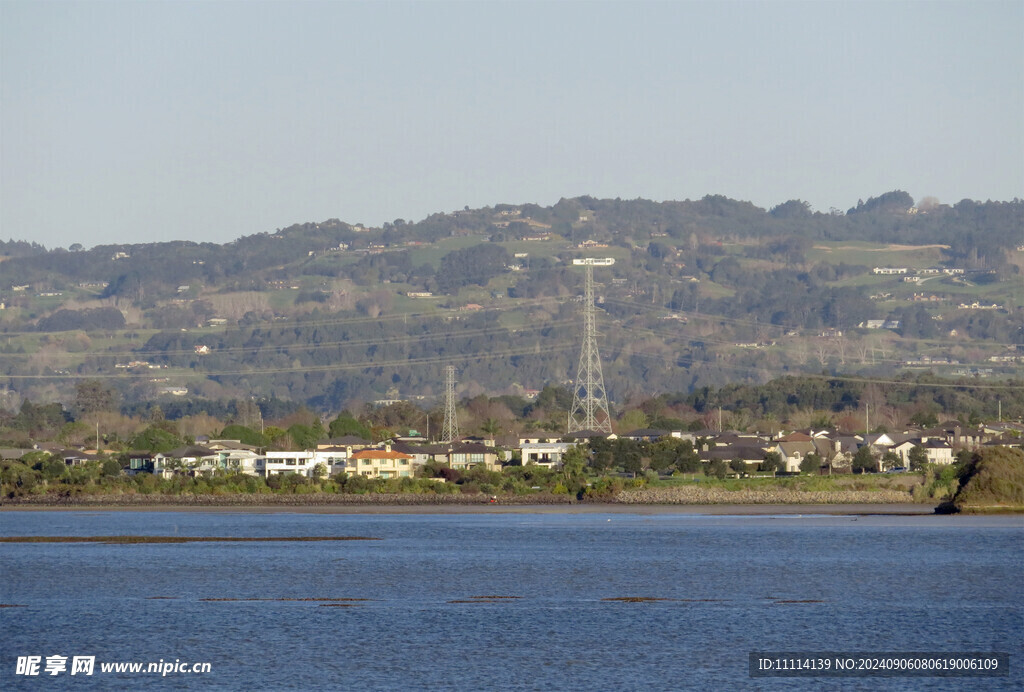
(547, 454)
(381, 463)
(277, 463)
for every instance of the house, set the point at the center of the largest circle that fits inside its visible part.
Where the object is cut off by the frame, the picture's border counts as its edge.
(277, 463)
(794, 452)
(73, 457)
(420, 453)
(467, 455)
(957, 436)
(185, 459)
(235, 461)
(548, 453)
(939, 452)
(381, 463)
(140, 462)
(645, 435)
(584, 435)
(749, 454)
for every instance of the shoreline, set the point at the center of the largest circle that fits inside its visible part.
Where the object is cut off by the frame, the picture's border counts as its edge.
(836, 509)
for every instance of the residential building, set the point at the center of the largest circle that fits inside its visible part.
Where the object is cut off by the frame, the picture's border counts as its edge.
(547, 454)
(381, 463)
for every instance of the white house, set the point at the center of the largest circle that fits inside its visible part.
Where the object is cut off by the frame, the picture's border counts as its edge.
(548, 454)
(274, 463)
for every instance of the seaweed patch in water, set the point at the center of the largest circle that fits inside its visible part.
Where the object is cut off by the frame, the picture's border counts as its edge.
(495, 598)
(11, 605)
(636, 599)
(133, 540)
(280, 600)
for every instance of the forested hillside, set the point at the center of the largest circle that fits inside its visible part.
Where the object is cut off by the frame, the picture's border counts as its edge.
(703, 293)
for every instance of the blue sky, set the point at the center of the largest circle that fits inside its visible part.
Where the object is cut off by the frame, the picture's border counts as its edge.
(147, 121)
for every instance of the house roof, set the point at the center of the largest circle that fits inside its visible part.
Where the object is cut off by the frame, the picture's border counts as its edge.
(13, 453)
(588, 434)
(189, 452)
(471, 448)
(803, 447)
(646, 433)
(730, 452)
(380, 454)
(406, 448)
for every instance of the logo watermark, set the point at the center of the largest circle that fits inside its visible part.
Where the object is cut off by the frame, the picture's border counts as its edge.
(58, 664)
(813, 664)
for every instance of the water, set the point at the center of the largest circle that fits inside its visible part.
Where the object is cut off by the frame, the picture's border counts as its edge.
(887, 584)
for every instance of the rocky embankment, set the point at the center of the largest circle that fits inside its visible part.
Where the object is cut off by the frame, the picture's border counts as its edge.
(276, 500)
(682, 495)
(696, 495)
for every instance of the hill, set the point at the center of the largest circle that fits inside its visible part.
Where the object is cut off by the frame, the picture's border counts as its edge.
(703, 293)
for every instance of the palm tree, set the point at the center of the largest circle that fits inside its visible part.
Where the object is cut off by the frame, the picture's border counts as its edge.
(490, 427)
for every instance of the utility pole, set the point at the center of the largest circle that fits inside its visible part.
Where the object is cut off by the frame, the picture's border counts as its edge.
(450, 431)
(589, 400)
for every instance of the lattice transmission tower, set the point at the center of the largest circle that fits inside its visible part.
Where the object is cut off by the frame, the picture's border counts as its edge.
(589, 401)
(450, 430)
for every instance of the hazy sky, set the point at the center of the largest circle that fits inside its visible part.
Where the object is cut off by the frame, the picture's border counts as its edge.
(146, 121)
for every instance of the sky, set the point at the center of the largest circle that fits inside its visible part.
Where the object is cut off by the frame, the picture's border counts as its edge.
(129, 122)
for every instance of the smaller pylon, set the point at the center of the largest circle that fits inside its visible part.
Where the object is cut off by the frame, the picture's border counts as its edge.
(450, 430)
(589, 410)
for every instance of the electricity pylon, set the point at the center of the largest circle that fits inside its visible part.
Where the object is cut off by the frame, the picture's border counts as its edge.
(589, 401)
(450, 430)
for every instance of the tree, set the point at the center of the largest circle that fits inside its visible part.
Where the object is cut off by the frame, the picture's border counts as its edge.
(111, 467)
(345, 425)
(572, 463)
(243, 434)
(687, 459)
(772, 463)
(890, 460)
(156, 439)
(738, 465)
(717, 468)
(634, 419)
(917, 458)
(627, 454)
(864, 460)
(490, 427)
(92, 396)
(306, 436)
(472, 265)
(811, 463)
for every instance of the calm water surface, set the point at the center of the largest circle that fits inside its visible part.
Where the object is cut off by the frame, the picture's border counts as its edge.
(887, 584)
